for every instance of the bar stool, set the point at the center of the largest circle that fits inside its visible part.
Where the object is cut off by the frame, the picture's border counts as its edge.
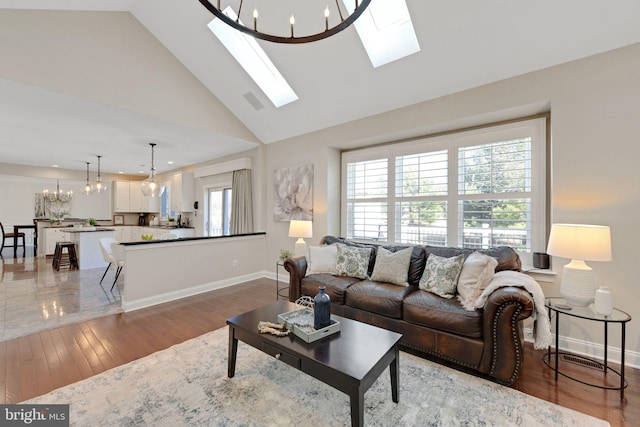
(61, 259)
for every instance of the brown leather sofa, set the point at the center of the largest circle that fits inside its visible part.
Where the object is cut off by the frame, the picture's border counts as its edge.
(488, 341)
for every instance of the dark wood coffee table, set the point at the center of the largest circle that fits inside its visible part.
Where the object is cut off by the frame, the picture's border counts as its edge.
(350, 360)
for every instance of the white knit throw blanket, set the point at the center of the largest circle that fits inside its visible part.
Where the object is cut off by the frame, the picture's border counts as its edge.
(541, 325)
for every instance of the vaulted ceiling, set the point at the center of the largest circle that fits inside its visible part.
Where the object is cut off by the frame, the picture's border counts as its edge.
(464, 44)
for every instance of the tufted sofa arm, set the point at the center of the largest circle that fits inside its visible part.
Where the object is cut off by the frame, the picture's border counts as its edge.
(502, 331)
(297, 268)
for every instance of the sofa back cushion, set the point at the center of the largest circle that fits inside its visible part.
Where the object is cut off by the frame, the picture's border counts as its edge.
(508, 258)
(416, 264)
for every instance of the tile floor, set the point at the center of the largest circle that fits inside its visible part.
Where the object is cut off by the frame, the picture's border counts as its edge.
(35, 297)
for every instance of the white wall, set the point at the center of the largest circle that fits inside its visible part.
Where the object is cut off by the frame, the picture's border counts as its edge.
(594, 105)
(161, 272)
(18, 196)
(73, 52)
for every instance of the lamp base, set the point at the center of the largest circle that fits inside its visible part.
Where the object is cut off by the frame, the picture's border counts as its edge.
(301, 247)
(578, 286)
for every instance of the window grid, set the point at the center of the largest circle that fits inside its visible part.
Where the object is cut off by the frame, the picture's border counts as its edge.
(493, 179)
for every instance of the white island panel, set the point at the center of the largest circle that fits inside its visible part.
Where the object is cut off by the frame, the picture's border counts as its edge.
(88, 246)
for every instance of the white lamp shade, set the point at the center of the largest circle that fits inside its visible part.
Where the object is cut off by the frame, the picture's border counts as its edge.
(300, 228)
(580, 241)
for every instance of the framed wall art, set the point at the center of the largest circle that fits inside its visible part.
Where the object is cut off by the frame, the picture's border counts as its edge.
(293, 193)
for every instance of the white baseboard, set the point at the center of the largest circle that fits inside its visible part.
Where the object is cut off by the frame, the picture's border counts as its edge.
(128, 306)
(592, 350)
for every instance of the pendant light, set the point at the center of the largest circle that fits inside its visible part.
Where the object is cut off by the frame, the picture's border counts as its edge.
(99, 187)
(88, 189)
(151, 186)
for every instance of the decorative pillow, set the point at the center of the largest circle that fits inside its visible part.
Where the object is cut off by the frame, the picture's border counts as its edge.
(352, 261)
(477, 271)
(441, 275)
(321, 259)
(392, 267)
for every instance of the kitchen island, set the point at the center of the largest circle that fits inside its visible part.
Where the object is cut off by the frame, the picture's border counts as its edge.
(87, 240)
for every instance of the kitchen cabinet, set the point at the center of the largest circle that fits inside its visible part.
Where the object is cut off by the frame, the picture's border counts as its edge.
(53, 235)
(122, 233)
(182, 192)
(121, 196)
(128, 197)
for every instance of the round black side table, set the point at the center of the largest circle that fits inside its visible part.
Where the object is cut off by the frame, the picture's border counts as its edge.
(558, 307)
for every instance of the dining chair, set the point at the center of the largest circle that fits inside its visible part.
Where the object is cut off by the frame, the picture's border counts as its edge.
(12, 236)
(117, 250)
(106, 247)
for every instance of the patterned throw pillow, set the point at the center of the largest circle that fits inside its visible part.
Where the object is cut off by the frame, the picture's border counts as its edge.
(441, 275)
(392, 267)
(352, 261)
(477, 272)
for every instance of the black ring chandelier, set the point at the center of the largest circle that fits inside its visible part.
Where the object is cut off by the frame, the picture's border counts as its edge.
(331, 15)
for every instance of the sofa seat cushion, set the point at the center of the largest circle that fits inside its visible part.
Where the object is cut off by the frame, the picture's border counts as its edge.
(378, 297)
(336, 285)
(430, 310)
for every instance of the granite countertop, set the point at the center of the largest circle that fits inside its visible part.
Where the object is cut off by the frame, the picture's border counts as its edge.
(85, 229)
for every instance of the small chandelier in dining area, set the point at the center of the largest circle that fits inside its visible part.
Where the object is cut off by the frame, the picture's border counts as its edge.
(150, 186)
(291, 22)
(57, 196)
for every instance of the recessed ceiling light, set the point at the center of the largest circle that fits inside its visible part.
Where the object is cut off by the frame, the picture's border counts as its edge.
(170, 162)
(120, 172)
(55, 166)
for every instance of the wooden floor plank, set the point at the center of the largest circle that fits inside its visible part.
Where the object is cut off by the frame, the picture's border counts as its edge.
(94, 346)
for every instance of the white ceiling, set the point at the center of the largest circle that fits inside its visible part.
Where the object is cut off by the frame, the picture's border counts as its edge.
(464, 44)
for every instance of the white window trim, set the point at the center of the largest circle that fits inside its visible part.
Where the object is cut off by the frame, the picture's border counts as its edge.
(536, 128)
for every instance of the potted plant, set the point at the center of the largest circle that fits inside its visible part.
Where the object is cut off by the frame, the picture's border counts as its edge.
(284, 254)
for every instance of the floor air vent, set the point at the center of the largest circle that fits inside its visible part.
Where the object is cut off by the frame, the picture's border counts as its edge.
(582, 362)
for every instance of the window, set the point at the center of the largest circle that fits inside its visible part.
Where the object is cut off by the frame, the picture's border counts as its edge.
(165, 202)
(219, 211)
(386, 31)
(253, 59)
(475, 189)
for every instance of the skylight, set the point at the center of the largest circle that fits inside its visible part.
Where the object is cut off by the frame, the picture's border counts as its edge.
(386, 31)
(246, 50)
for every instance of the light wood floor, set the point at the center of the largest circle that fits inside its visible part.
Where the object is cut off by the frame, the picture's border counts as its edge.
(36, 364)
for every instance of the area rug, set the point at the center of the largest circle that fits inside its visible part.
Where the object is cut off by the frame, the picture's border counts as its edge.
(187, 385)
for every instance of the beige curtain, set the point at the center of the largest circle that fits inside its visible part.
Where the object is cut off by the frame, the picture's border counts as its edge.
(241, 202)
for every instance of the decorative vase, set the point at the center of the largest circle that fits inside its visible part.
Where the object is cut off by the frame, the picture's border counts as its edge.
(321, 309)
(603, 302)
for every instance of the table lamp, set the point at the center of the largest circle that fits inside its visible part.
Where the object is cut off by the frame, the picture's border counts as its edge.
(300, 229)
(580, 243)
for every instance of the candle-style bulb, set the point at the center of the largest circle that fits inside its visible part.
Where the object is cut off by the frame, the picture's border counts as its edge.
(255, 13)
(255, 19)
(292, 21)
(326, 18)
